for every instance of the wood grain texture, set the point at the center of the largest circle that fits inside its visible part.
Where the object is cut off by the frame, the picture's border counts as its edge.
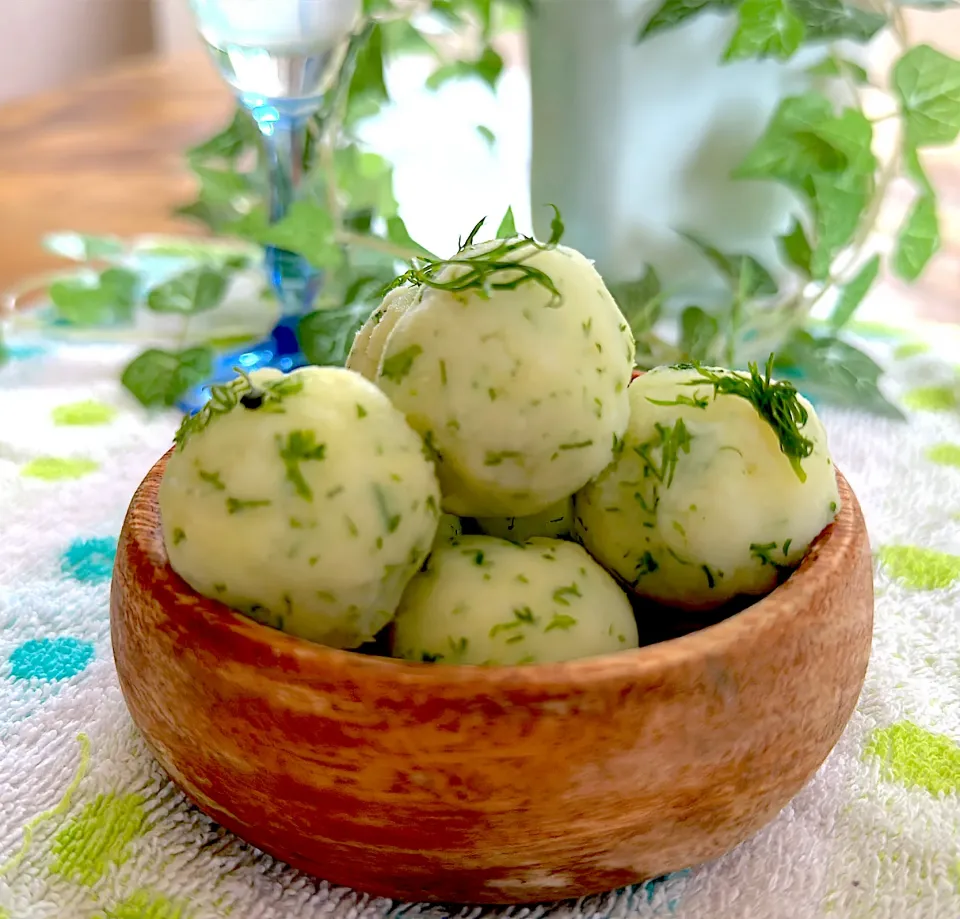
(492, 785)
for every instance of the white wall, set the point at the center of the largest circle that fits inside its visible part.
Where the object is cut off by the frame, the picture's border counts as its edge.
(46, 44)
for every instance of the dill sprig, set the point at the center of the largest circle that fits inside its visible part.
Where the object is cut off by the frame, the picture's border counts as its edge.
(776, 402)
(499, 267)
(225, 397)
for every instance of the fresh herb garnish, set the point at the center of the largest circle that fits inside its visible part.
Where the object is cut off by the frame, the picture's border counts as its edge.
(225, 397)
(761, 552)
(581, 445)
(500, 265)
(560, 621)
(777, 403)
(495, 459)
(178, 536)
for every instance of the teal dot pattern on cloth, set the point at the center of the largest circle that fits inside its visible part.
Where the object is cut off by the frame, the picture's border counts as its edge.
(51, 659)
(90, 560)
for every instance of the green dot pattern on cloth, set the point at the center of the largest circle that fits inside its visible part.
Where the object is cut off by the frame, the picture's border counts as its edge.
(931, 398)
(145, 905)
(923, 569)
(84, 413)
(55, 469)
(910, 349)
(945, 454)
(101, 836)
(916, 758)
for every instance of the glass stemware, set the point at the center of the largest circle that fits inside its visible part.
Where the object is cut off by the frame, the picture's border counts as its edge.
(283, 60)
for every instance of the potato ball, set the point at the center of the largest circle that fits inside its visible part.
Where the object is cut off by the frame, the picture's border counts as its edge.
(718, 488)
(556, 522)
(303, 500)
(368, 346)
(518, 385)
(482, 600)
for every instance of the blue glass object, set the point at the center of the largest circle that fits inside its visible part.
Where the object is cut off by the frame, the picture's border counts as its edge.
(284, 61)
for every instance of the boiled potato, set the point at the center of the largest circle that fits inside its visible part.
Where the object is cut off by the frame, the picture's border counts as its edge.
(701, 503)
(482, 600)
(303, 500)
(368, 346)
(450, 527)
(519, 393)
(555, 522)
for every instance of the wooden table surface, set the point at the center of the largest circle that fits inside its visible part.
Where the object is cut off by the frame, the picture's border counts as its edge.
(106, 156)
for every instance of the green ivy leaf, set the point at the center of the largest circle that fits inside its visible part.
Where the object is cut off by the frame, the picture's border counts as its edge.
(833, 371)
(737, 269)
(853, 292)
(159, 378)
(230, 143)
(765, 28)
(81, 247)
(107, 300)
(796, 247)
(915, 170)
(830, 20)
(840, 201)
(825, 156)
(400, 37)
(508, 227)
(487, 134)
(306, 230)
(698, 331)
(366, 180)
(194, 291)
(326, 336)
(919, 239)
(839, 67)
(928, 84)
(397, 233)
(640, 301)
(673, 12)
(367, 81)
(487, 67)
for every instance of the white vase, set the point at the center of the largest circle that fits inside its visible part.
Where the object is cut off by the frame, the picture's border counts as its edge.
(636, 141)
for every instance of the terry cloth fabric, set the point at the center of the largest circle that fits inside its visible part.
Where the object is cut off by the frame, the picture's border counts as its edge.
(91, 827)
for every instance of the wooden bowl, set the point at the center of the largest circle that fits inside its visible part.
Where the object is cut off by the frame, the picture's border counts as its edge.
(492, 785)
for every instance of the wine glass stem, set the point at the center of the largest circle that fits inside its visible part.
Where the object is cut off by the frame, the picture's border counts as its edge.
(294, 279)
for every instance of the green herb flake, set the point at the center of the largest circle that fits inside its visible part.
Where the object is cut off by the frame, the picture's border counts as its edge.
(178, 536)
(351, 526)
(398, 365)
(220, 588)
(577, 446)
(333, 492)
(761, 552)
(212, 478)
(495, 459)
(560, 621)
(786, 547)
(711, 578)
(299, 447)
(235, 505)
(513, 639)
(429, 657)
(443, 373)
(670, 442)
(561, 593)
(390, 521)
(361, 411)
(587, 326)
(492, 393)
(459, 645)
(313, 560)
(523, 579)
(833, 507)
(646, 564)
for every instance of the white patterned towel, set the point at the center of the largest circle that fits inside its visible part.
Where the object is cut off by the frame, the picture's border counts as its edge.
(91, 829)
